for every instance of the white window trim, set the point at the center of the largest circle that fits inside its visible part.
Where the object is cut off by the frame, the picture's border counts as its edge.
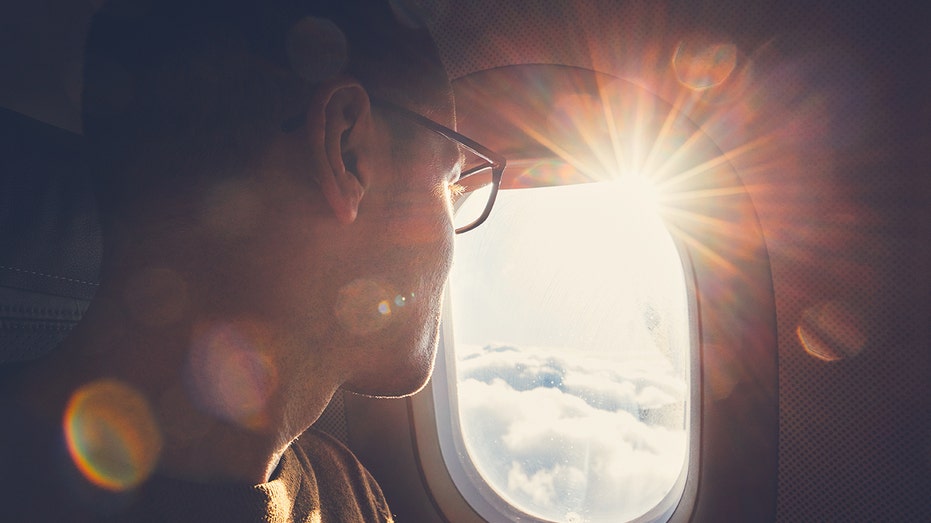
(457, 488)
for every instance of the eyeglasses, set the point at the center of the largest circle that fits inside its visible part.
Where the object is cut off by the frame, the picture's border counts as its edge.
(479, 179)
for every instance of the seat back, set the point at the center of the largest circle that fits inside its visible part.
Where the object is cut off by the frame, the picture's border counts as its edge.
(50, 245)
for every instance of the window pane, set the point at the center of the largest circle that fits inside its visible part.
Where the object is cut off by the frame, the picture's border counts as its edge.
(571, 338)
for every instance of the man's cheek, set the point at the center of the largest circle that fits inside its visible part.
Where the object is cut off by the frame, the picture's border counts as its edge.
(423, 225)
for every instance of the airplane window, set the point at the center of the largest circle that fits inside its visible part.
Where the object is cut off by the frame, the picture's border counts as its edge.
(567, 341)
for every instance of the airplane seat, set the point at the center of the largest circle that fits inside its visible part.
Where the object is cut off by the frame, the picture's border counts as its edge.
(49, 236)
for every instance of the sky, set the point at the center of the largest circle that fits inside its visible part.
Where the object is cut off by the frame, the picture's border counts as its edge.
(570, 332)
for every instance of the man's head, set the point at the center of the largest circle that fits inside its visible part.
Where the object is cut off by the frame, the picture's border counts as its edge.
(180, 90)
(241, 156)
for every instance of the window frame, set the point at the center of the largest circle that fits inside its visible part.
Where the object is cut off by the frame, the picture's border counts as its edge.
(734, 435)
(465, 495)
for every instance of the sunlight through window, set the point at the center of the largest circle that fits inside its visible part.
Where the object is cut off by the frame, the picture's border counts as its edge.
(570, 340)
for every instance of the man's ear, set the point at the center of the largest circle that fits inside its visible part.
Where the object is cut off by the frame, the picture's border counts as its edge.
(339, 122)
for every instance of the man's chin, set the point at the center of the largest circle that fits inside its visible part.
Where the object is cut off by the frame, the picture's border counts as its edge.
(386, 393)
(391, 391)
(393, 385)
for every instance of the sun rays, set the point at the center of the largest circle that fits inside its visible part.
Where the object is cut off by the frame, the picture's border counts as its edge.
(730, 132)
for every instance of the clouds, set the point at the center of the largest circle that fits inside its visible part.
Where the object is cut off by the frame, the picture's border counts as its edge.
(572, 436)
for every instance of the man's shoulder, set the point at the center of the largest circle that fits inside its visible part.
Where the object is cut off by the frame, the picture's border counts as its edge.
(316, 443)
(343, 482)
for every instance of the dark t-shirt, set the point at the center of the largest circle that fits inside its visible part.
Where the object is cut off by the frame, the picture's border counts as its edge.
(317, 480)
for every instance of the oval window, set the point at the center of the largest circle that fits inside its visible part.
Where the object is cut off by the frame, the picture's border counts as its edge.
(568, 340)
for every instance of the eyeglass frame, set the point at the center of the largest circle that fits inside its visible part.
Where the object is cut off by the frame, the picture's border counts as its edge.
(497, 162)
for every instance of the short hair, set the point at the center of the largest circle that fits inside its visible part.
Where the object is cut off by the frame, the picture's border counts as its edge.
(179, 91)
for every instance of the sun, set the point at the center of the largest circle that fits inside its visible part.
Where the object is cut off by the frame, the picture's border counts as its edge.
(638, 193)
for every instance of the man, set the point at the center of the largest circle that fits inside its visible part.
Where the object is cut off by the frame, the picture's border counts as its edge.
(277, 226)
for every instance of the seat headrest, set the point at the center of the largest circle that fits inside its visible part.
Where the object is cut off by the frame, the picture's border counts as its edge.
(50, 244)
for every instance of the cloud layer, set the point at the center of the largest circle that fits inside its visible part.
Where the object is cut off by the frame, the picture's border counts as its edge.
(572, 437)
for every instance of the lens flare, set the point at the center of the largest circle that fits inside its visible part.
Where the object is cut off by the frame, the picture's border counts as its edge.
(112, 435)
(700, 64)
(363, 306)
(384, 308)
(831, 331)
(230, 374)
